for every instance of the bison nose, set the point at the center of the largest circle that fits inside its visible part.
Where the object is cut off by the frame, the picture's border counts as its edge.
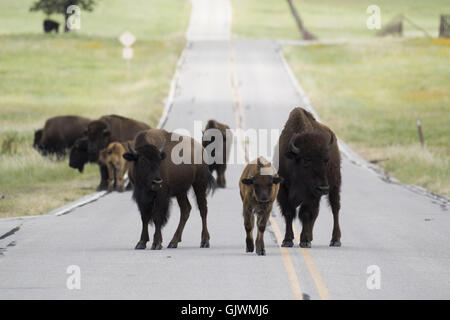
(262, 201)
(322, 189)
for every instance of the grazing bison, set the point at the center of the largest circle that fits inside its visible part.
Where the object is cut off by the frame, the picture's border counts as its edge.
(309, 162)
(259, 186)
(112, 157)
(51, 25)
(59, 133)
(157, 178)
(109, 129)
(220, 156)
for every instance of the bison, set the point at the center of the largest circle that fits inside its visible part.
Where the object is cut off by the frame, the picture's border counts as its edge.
(107, 129)
(157, 178)
(220, 156)
(59, 134)
(112, 157)
(259, 185)
(50, 25)
(309, 162)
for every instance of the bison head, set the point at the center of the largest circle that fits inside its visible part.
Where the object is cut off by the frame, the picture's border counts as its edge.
(147, 162)
(262, 184)
(310, 152)
(99, 136)
(37, 140)
(79, 154)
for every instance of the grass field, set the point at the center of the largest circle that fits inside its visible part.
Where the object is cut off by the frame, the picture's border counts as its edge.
(81, 73)
(371, 92)
(330, 19)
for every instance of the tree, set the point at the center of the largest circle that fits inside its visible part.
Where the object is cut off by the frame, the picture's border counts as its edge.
(60, 7)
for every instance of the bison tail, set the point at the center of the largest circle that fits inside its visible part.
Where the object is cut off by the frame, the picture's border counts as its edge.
(212, 183)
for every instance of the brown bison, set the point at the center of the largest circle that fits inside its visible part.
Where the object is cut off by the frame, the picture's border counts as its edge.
(112, 157)
(157, 178)
(59, 134)
(219, 155)
(107, 129)
(259, 186)
(309, 162)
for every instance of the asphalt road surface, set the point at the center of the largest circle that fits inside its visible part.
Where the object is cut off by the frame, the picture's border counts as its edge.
(395, 242)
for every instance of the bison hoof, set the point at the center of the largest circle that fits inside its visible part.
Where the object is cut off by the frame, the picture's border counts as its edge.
(156, 246)
(204, 245)
(335, 243)
(140, 246)
(261, 252)
(305, 244)
(172, 245)
(287, 243)
(250, 249)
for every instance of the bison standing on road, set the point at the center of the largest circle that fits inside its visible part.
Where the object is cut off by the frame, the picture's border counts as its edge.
(112, 157)
(157, 178)
(220, 156)
(259, 186)
(309, 162)
(109, 129)
(59, 134)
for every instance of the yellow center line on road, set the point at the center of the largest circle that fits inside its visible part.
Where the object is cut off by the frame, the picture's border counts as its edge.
(240, 124)
(318, 281)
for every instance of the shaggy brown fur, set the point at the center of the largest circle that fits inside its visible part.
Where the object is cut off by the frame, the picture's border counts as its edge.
(309, 162)
(223, 154)
(259, 185)
(112, 157)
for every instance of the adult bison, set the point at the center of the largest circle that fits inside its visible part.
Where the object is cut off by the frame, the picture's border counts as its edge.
(158, 174)
(59, 134)
(309, 162)
(221, 153)
(107, 129)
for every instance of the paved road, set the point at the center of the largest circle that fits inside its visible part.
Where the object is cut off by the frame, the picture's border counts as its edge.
(242, 83)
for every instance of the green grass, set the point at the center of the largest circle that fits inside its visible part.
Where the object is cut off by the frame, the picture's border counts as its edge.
(80, 73)
(372, 95)
(330, 19)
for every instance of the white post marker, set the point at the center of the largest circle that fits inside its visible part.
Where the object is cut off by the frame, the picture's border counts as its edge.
(127, 39)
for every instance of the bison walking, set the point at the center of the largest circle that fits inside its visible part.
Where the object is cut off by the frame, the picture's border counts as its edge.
(258, 186)
(221, 155)
(309, 162)
(157, 177)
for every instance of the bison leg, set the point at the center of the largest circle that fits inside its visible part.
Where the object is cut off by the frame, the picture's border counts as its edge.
(262, 222)
(308, 214)
(335, 203)
(221, 182)
(142, 244)
(249, 222)
(104, 178)
(185, 209)
(157, 236)
(200, 194)
(111, 175)
(120, 173)
(288, 213)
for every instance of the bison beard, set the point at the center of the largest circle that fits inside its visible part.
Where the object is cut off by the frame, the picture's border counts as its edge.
(309, 162)
(157, 179)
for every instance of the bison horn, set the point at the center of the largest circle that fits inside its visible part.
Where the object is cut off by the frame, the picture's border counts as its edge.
(163, 145)
(131, 149)
(330, 144)
(293, 147)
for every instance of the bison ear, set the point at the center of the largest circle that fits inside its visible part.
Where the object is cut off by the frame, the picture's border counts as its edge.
(247, 181)
(130, 156)
(290, 155)
(162, 155)
(106, 133)
(277, 180)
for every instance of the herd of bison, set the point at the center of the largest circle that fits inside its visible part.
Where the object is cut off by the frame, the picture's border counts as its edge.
(308, 167)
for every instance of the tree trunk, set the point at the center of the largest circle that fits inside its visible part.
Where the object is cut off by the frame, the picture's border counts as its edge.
(66, 18)
(305, 33)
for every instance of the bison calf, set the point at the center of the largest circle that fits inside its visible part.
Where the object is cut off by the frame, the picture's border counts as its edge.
(112, 157)
(259, 186)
